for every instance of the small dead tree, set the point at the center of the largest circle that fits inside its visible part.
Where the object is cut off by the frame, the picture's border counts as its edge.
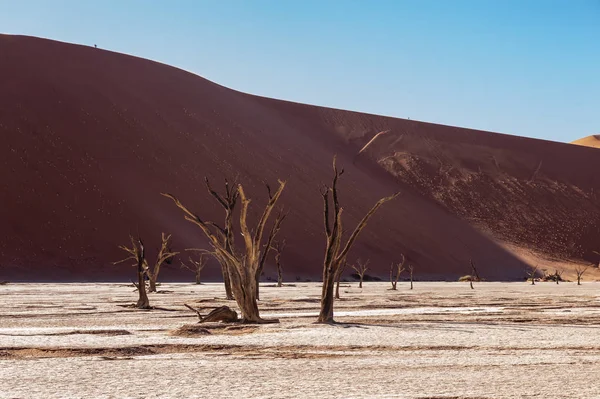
(474, 274)
(411, 269)
(531, 274)
(399, 269)
(137, 254)
(278, 248)
(335, 253)
(243, 266)
(196, 266)
(164, 254)
(558, 275)
(361, 269)
(580, 271)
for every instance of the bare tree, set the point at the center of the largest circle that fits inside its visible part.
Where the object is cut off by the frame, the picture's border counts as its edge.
(137, 254)
(580, 271)
(361, 269)
(225, 234)
(164, 254)
(243, 266)
(335, 254)
(399, 269)
(278, 248)
(411, 269)
(197, 266)
(531, 274)
(474, 276)
(558, 275)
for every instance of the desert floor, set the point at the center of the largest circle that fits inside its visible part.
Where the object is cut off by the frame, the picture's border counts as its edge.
(499, 340)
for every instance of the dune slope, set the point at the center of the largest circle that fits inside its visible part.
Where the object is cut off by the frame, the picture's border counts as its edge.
(91, 137)
(589, 141)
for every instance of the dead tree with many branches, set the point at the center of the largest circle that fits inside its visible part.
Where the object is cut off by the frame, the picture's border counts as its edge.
(243, 266)
(531, 274)
(138, 255)
(580, 271)
(399, 269)
(335, 253)
(164, 254)
(197, 266)
(361, 269)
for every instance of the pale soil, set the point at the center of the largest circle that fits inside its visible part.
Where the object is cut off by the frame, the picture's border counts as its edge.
(501, 340)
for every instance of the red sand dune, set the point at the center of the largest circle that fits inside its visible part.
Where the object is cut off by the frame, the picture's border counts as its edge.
(90, 138)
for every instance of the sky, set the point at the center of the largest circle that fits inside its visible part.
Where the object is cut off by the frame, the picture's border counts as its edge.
(527, 67)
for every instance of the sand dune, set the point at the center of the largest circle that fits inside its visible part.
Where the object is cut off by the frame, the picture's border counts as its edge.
(589, 141)
(90, 139)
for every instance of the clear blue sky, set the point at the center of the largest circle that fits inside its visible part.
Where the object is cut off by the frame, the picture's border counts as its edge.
(529, 68)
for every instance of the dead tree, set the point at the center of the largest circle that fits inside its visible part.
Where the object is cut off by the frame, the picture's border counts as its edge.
(411, 269)
(278, 248)
(196, 266)
(164, 254)
(222, 313)
(399, 269)
(335, 254)
(361, 269)
(580, 271)
(557, 275)
(138, 255)
(474, 276)
(243, 267)
(531, 274)
(225, 234)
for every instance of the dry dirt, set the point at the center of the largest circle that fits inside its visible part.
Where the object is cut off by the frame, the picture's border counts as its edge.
(440, 340)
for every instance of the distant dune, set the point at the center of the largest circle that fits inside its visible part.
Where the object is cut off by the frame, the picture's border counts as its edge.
(91, 137)
(589, 141)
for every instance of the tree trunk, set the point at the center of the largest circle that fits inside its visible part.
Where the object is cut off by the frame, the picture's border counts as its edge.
(227, 282)
(360, 283)
(152, 284)
(327, 298)
(143, 302)
(198, 271)
(257, 285)
(411, 284)
(471, 282)
(337, 289)
(578, 280)
(244, 291)
(279, 275)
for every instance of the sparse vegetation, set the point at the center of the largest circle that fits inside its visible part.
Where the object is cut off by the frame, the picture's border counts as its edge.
(278, 247)
(361, 269)
(197, 266)
(531, 274)
(399, 268)
(335, 254)
(137, 254)
(164, 255)
(580, 270)
(243, 267)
